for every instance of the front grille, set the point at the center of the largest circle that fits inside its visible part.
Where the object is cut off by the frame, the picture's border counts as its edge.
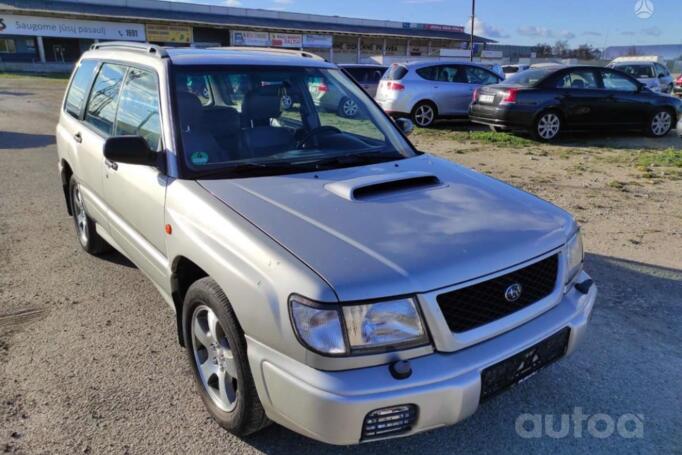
(467, 308)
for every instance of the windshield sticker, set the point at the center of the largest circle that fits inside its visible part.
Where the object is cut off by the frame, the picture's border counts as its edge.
(199, 158)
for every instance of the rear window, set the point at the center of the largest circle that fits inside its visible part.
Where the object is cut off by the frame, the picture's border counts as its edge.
(637, 71)
(527, 78)
(79, 87)
(395, 72)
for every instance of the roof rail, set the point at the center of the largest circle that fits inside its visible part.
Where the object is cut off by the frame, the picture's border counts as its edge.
(132, 46)
(272, 50)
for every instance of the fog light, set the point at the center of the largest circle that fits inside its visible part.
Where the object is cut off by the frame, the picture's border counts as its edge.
(386, 422)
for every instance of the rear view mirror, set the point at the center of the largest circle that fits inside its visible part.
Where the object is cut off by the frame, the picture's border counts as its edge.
(405, 125)
(130, 150)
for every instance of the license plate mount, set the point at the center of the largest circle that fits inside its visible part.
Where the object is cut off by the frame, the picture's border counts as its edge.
(520, 367)
(486, 99)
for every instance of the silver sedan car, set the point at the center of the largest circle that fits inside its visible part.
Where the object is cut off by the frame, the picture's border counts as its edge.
(426, 91)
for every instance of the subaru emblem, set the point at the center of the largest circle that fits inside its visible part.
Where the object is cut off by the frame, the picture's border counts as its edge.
(513, 292)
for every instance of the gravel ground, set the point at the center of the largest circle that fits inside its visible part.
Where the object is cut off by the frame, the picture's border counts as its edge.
(89, 361)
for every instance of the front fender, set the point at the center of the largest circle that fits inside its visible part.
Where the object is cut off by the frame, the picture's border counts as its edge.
(256, 273)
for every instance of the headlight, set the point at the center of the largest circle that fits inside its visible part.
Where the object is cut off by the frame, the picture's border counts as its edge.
(350, 329)
(574, 256)
(391, 323)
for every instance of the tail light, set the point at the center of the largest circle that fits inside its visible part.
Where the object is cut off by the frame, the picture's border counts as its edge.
(475, 96)
(322, 88)
(392, 85)
(679, 81)
(510, 96)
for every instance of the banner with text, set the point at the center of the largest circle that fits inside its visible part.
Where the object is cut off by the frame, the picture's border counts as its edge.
(69, 28)
(317, 41)
(169, 33)
(286, 40)
(244, 38)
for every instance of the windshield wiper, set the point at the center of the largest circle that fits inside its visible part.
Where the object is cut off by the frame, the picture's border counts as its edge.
(241, 169)
(353, 159)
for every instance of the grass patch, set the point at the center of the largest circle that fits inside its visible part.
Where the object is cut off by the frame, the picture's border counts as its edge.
(55, 76)
(653, 164)
(485, 137)
(669, 158)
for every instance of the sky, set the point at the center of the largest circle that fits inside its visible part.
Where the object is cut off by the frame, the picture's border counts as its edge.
(600, 23)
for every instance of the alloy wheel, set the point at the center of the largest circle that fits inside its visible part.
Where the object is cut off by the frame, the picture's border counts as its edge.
(349, 108)
(80, 216)
(286, 102)
(661, 123)
(548, 126)
(214, 358)
(424, 115)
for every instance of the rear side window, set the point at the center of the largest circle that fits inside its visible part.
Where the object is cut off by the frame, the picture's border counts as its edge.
(429, 73)
(359, 74)
(138, 108)
(79, 87)
(101, 110)
(395, 72)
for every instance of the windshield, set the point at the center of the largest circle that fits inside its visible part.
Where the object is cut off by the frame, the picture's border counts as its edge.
(266, 120)
(527, 78)
(637, 71)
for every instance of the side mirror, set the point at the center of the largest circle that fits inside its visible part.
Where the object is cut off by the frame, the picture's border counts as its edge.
(405, 125)
(130, 150)
(661, 75)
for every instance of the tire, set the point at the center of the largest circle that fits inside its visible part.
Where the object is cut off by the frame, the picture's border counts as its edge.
(286, 102)
(424, 113)
(660, 123)
(236, 407)
(86, 230)
(348, 108)
(547, 126)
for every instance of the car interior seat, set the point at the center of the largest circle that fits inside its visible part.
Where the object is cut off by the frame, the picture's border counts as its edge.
(199, 144)
(259, 138)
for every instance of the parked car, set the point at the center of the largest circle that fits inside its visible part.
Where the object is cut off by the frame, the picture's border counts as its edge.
(652, 74)
(324, 274)
(677, 89)
(426, 91)
(324, 94)
(513, 69)
(548, 101)
(368, 76)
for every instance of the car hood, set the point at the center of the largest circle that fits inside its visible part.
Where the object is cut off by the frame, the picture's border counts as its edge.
(459, 225)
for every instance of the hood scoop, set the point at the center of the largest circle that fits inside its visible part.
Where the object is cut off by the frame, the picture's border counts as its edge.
(374, 186)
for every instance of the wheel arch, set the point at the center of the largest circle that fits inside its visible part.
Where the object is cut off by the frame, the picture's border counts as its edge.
(426, 100)
(184, 272)
(65, 173)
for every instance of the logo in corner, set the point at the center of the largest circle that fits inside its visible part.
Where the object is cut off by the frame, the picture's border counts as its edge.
(644, 9)
(513, 292)
(2, 24)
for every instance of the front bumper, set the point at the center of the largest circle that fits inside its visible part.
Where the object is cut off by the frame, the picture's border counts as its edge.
(331, 406)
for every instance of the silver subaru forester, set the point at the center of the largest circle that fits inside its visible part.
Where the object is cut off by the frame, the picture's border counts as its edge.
(324, 274)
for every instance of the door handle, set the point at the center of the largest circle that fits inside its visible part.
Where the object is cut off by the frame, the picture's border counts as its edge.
(111, 165)
(77, 137)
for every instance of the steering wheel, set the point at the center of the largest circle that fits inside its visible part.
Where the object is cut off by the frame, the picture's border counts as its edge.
(315, 132)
